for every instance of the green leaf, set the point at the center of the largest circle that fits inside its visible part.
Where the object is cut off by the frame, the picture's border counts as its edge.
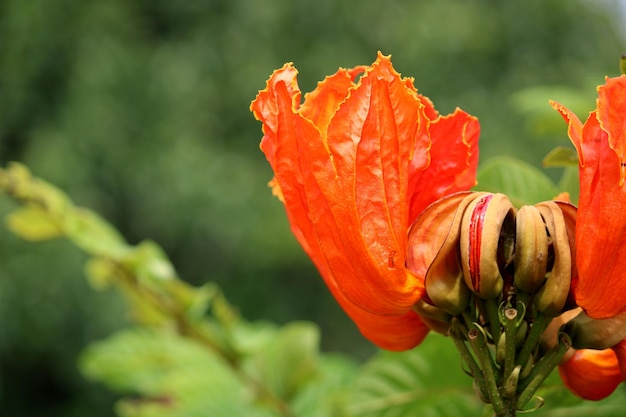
(541, 119)
(570, 184)
(173, 376)
(561, 156)
(100, 272)
(150, 264)
(326, 394)
(93, 234)
(427, 380)
(288, 361)
(17, 181)
(248, 338)
(521, 182)
(33, 224)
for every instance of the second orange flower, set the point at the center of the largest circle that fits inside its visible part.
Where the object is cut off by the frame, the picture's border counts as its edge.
(355, 163)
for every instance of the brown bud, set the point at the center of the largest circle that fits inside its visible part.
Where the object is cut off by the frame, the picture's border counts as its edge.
(480, 237)
(588, 333)
(444, 280)
(531, 249)
(550, 298)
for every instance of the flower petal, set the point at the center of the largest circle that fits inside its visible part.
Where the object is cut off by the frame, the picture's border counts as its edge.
(620, 352)
(321, 104)
(453, 161)
(601, 222)
(612, 118)
(591, 374)
(397, 333)
(306, 181)
(371, 140)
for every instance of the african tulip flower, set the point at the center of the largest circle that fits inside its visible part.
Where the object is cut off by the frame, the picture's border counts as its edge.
(601, 223)
(591, 374)
(354, 164)
(600, 288)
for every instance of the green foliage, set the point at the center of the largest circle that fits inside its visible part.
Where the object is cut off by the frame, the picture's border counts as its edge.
(193, 355)
(561, 157)
(567, 158)
(172, 376)
(521, 182)
(327, 393)
(421, 382)
(288, 360)
(541, 119)
(33, 224)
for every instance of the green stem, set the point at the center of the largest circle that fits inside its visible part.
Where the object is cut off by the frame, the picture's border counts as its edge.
(491, 307)
(458, 337)
(534, 334)
(477, 339)
(541, 370)
(509, 317)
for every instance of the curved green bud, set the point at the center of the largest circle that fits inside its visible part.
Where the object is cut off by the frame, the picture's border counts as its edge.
(551, 297)
(531, 249)
(520, 336)
(501, 348)
(429, 311)
(510, 385)
(528, 366)
(481, 229)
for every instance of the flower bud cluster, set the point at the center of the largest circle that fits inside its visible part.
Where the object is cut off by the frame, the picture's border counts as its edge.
(495, 283)
(493, 251)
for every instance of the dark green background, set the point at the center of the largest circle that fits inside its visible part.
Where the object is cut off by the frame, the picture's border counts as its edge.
(139, 109)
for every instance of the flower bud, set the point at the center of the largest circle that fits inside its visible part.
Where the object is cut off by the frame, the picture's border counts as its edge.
(444, 280)
(427, 310)
(501, 349)
(510, 385)
(531, 249)
(481, 229)
(588, 333)
(551, 297)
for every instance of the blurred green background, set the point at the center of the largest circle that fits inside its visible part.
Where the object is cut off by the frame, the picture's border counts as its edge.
(139, 110)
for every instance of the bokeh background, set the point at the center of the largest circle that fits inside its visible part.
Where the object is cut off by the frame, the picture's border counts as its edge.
(139, 110)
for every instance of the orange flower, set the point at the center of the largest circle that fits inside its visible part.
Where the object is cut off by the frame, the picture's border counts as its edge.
(601, 224)
(591, 374)
(600, 288)
(354, 165)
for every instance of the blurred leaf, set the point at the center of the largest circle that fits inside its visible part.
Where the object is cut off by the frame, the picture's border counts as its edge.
(288, 361)
(93, 234)
(173, 376)
(521, 182)
(561, 156)
(33, 224)
(249, 338)
(326, 395)
(542, 120)
(100, 272)
(427, 380)
(570, 184)
(16, 180)
(150, 264)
